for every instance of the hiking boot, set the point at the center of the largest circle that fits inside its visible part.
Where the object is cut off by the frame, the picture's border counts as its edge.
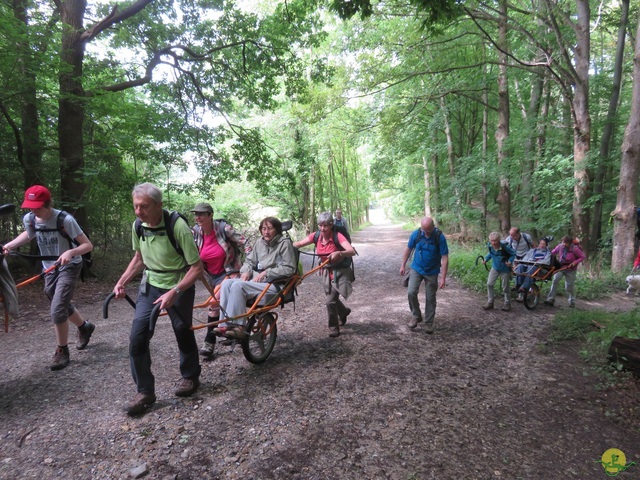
(60, 358)
(84, 335)
(343, 320)
(506, 307)
(238, 333)
(488, 306)
(428, 328)
(139, 403)
(207, 350)
(334, 332)
(413, 323)
(187, 387)
(549, 302)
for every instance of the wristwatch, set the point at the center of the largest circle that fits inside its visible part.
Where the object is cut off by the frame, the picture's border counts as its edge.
(178, 291)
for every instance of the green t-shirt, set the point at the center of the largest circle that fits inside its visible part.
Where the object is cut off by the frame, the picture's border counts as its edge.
(158, 253)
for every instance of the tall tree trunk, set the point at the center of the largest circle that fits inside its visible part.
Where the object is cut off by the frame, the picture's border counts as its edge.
(427, 187)
(537, 81)
(452, 170)
(30, 150)
(624, 214)
(435, 184)
(607, 132)
(502, 131)
(582, 123)
(484, 208)
(71, 109)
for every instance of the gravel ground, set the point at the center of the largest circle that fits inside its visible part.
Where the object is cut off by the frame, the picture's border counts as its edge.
(483, 398)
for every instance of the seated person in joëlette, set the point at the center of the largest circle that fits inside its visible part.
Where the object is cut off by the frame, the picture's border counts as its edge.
(272, 258)
(541, 255)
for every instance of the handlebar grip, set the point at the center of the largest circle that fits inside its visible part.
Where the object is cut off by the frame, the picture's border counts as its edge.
(153, 318)
(111, 296)
(105, 305)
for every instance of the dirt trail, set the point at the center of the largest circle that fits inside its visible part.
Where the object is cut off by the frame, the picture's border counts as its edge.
(482, 398)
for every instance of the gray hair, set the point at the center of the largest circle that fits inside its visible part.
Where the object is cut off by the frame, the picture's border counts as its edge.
(325, 217)
(494, 236)
(148, 190)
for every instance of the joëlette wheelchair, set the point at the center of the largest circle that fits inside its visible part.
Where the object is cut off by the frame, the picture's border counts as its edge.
(260, 328)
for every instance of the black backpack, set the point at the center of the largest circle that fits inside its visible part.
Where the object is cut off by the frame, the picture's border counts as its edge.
(170, 219)
(87, 260)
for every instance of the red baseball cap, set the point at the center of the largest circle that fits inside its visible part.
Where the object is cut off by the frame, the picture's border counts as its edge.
(36, 196)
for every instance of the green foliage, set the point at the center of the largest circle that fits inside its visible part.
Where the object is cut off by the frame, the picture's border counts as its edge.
(462, 266)
(595, 329)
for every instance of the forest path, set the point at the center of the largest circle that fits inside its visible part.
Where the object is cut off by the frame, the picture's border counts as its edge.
(482, 398)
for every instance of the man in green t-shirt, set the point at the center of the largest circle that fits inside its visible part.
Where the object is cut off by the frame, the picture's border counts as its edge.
(168, 280)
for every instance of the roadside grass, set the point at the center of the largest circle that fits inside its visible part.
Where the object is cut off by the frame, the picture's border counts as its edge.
(594, 330)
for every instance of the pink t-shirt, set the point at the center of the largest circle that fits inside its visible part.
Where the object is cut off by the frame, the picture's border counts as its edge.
(212, 254)
(329, 247)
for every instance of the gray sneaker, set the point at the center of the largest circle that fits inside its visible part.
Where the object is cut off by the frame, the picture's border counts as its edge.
(506, 307)
(60, 358)
(207, 350)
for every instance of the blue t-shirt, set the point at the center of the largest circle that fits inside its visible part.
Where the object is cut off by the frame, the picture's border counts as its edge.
(427, 256)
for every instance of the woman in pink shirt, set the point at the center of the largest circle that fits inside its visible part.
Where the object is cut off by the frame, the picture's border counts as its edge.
(337, 276)
(570, 256)
(220, 247)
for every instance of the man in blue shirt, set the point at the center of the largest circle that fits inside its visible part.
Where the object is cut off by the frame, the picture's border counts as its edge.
(431, 256)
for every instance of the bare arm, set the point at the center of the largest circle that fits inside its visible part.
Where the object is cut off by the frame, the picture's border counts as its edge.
(443, 270)
(405, 257)
(134, 268)
(85, 247)
(302, 243)
(347, 252)
(16, 242)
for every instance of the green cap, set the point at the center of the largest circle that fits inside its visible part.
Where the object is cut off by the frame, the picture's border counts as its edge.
(203, 207)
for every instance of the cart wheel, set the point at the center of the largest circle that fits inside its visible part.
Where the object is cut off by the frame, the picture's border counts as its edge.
(532, 297)
(261, 339)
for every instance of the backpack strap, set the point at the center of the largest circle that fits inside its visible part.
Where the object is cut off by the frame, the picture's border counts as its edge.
(61, 230)
(170, 219)
(59, 227)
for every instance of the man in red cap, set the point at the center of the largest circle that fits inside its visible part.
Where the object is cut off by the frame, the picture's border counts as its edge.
(42, 223)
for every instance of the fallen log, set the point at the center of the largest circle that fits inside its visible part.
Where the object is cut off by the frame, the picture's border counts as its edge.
(626, 351)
